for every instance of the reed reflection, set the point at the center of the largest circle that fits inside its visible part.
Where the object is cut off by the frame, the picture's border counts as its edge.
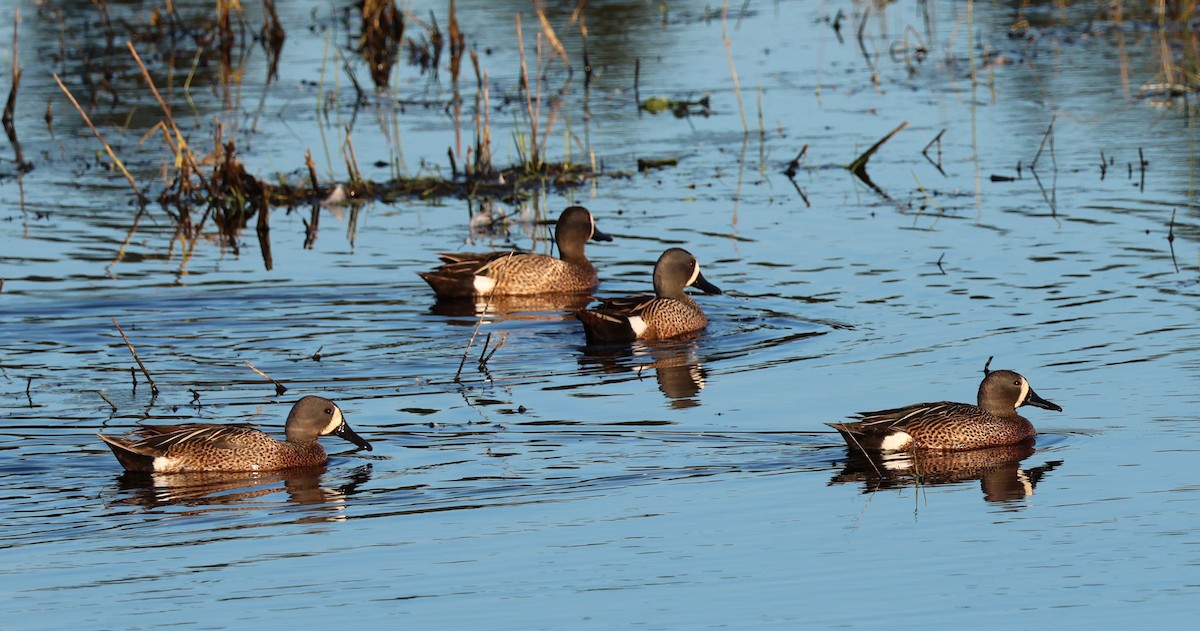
(675, 363)
(998, 470)
(302, 486)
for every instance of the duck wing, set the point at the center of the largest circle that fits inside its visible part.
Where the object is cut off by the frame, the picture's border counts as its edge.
(157, 439)
(881, 421)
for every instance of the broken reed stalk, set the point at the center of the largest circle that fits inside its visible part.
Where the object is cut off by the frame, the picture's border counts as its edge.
(937, 140)
(108, 401)
(486, 342)
(484, 356)
(145, 373)
(112, 155)
(137, 220)
(549, 31)
(1048, 136)
(637, 73)
(312, 174)
(762, 131)
(485, 145)
(737, 86)
(11, 105)
(184, 153)
(860, 163)
(279, 387)
(478, 323)
(351, 159)
(475, 332)
(583, 34)
(1171, 240)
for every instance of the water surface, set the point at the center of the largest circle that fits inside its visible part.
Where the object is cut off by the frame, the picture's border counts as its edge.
(689, 484)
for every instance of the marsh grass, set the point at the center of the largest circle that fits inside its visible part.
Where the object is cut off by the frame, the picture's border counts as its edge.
(205, 186)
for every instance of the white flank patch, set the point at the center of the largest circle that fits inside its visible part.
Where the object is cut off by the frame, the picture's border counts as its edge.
(484, 284)
(899, 440)
(638, 324)
(335, 423)
(163, 464)
(1024, 393)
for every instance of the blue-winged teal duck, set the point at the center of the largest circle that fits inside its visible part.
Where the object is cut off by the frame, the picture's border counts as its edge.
(464, 275)
(951, 426)
(668, 313)
(193, 447)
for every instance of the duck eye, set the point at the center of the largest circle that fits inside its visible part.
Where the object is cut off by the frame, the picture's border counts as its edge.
(1017, 382)
(329, 410)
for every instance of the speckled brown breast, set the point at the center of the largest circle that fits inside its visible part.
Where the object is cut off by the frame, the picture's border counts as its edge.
(961, 426)
(668, 317)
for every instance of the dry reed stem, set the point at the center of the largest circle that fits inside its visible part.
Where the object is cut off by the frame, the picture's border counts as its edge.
(1048, 136)
(184, 153)
(484, 359)
(137, 220)
(11, 105)
(860, 163)
(279, 387)
(549, 31)
(107, 147)
(106, 400)
(532, 157)
(351, 159)
(737, 86)
(478, 323)
(146, 373)
(484, 155)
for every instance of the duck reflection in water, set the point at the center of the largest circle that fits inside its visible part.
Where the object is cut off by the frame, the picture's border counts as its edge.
(539, 308)
(998, 470)
(222, 491)
(675, 363)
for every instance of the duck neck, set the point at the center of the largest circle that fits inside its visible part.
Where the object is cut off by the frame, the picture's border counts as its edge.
(570, 248)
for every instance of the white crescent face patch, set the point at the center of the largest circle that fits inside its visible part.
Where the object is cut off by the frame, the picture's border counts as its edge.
(1024, 393)
(335, 422)
(695, 275)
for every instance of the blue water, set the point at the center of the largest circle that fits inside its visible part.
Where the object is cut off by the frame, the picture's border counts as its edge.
(680, 485)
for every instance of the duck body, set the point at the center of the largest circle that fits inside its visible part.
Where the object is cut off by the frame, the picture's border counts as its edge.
(208, 447)
(514, 273)
(950, 426)
(669, 313)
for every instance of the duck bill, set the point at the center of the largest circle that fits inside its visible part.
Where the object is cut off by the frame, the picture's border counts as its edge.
(1036, 401)
(345, 433)
(703, 285)
(600, 236)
